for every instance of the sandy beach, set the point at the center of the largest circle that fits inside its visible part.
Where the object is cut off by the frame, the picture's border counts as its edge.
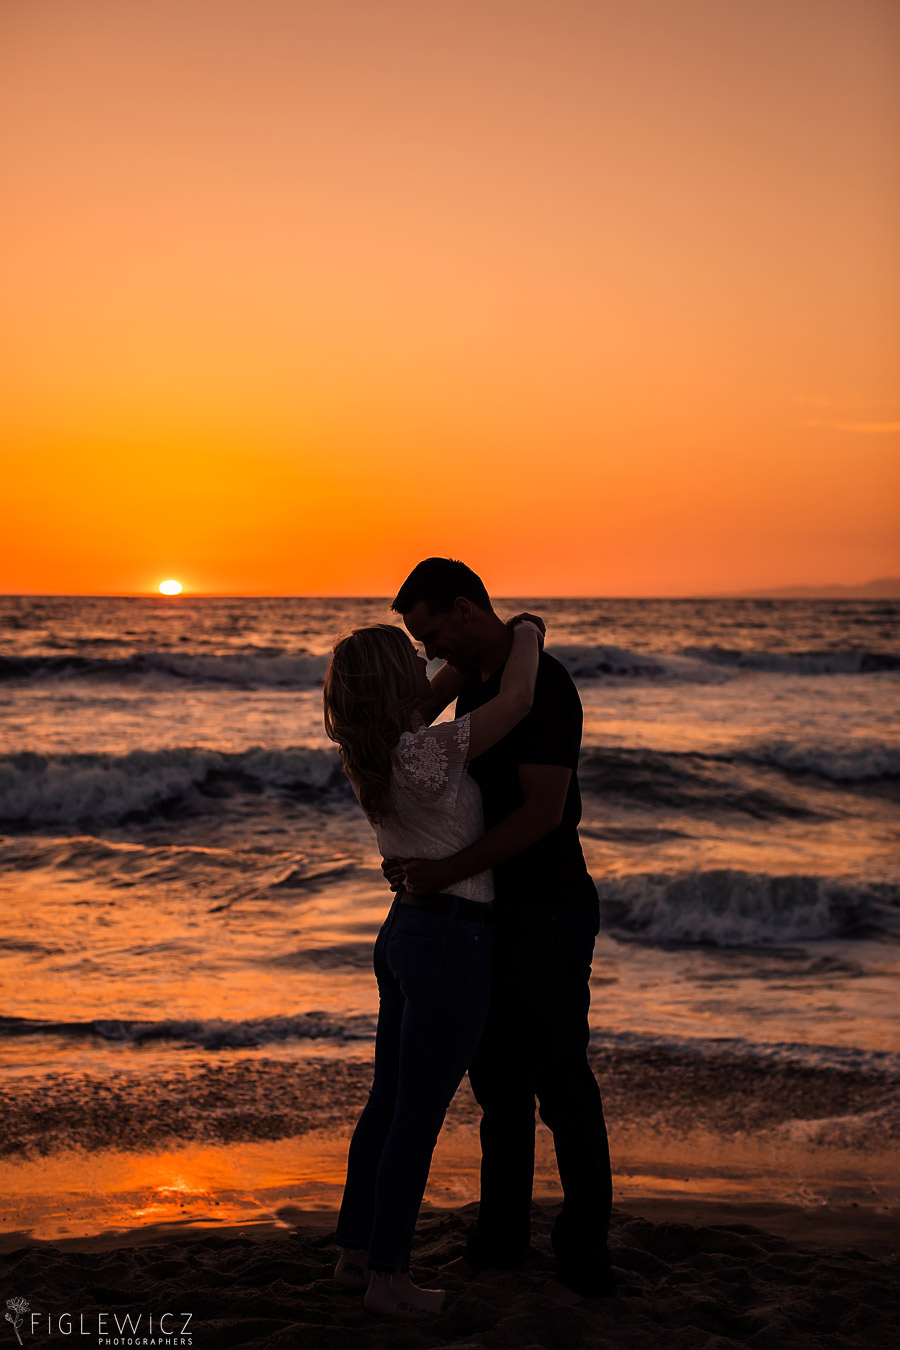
(190, 900)
(690, 1275)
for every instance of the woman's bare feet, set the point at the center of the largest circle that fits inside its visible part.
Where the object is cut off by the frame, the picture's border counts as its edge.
(350, 1270)
(397, 1296)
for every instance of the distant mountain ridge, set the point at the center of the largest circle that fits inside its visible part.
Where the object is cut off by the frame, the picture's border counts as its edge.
(884, 588)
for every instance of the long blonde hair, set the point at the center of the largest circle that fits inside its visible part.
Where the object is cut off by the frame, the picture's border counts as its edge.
(371, 688)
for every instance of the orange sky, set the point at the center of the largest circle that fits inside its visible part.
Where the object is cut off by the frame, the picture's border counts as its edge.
(601, 297)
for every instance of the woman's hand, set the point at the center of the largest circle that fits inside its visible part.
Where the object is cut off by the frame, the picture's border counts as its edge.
(534, 620)
(426, 876)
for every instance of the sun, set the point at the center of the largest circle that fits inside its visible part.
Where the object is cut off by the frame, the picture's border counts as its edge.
(170, 587)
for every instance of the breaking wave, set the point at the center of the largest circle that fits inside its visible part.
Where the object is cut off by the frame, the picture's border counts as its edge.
(691, 782)
(93, 789)
(856, 662)
(758, 779)
(212, 1034)
(277, 669)
(727, 907)
(241, 670)
(856, 761)
(701, 665)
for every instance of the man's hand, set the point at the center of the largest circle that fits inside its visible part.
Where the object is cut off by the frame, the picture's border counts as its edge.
(529, 618)
(426, 876)
(393, 872)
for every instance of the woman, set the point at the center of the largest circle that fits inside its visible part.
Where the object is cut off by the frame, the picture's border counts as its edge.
(433, 954)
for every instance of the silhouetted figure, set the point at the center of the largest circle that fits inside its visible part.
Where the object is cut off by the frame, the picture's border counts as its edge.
(547, 916)
(433, 955)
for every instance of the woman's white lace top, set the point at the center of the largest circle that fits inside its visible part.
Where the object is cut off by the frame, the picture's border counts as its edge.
(435, 807)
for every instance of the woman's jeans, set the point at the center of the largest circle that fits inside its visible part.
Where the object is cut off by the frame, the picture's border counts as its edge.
(434, 974)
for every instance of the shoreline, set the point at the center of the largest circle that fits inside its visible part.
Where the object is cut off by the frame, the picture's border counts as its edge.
(76, 1194)
(867, 1228)
(232, 1144)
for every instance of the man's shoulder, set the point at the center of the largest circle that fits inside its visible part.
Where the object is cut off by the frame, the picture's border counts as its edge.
(553, 676)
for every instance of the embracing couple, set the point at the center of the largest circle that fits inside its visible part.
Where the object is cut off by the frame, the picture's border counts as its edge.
(484, 959)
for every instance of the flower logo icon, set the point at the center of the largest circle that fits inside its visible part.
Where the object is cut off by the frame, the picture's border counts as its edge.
(17, 1307)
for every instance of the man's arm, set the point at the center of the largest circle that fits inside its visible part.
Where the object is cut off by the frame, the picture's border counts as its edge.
(544, 787)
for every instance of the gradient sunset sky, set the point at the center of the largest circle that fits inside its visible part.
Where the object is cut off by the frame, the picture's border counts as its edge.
(602, 298)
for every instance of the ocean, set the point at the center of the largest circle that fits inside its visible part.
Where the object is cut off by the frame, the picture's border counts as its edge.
(190, 896)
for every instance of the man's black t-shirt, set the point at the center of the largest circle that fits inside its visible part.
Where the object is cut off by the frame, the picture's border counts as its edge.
(551, 873)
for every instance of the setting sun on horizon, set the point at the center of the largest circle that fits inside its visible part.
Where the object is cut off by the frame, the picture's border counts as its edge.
(601, 299)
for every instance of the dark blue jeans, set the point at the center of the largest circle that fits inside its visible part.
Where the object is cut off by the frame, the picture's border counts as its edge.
(434, 974)
(534, 1045)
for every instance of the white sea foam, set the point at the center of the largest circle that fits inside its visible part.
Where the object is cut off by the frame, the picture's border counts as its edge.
(727, 907)
(222, 1033)
(210, 1033)
(98, 789)
(853, 761)
(704, 665)
(275, 668)
(243, 670)
(858, 1131)
(590, 661)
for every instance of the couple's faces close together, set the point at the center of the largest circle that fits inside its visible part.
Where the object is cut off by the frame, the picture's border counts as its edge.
(447, 635)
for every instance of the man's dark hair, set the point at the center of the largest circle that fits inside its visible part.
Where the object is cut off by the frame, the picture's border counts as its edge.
(438, 581)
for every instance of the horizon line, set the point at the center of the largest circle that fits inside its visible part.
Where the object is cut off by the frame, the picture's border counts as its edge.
(743, 592)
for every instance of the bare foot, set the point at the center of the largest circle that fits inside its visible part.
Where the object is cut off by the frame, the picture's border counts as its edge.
(459, 1266)
(561, 1293)
(397, 1296)
(350, 1270)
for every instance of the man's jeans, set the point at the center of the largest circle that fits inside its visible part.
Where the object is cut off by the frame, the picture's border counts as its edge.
(434, 973)
(535, 1044)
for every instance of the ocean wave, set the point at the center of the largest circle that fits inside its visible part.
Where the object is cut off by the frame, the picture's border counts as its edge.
(761, 779)
(691, 782)
(728, 907)
(587, 661)
(703, 665)
(764, 781)
(857, 761)
(256, 667)
(856, 662)
(316, 1025)
(303, 669)
(209, 1034)
(97, 789)
(242, 670)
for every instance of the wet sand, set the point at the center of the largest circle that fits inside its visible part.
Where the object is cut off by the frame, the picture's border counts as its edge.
(210, 1191)
(234, 1141)
(691, 1274)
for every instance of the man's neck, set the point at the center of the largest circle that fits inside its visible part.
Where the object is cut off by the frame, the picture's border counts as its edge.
(494, 645)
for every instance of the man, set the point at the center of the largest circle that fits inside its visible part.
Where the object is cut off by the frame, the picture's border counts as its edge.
(546, 918)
